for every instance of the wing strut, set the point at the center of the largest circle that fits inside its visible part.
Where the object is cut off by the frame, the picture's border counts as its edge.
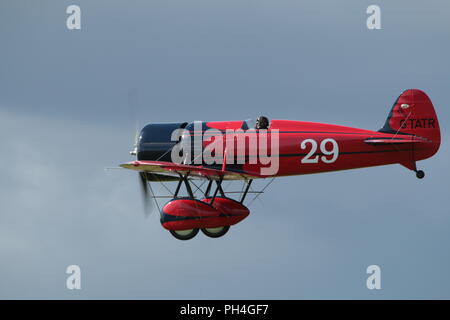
(219, 186)
(188, 187)
(246, 191)
(177, 190)
(208, 188)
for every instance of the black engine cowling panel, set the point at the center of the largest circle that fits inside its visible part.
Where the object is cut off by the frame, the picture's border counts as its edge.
(155, 141)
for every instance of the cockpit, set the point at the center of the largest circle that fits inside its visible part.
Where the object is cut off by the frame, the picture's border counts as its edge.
(260, 123)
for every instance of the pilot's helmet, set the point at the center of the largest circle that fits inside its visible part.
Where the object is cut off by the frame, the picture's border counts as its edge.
(262, 122)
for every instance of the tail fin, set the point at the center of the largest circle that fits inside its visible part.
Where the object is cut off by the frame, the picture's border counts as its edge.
(413, 114)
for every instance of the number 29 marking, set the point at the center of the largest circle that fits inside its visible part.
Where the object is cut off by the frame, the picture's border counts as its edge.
(334, 152)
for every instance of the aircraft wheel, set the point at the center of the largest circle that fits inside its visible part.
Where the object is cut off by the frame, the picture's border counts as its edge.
(184, 234)
(420, 174)
(215, 232)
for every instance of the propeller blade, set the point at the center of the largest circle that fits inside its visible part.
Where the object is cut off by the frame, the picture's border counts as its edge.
(147, 194)
(136, 136)
(133, 109)
(135, 145)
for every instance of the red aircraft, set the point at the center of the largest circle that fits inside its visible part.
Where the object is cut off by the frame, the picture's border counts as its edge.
(269, 149)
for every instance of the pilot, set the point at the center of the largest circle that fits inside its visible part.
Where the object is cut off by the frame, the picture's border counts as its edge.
(262, 123)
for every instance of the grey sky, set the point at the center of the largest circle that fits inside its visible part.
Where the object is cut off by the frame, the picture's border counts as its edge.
(65, 115)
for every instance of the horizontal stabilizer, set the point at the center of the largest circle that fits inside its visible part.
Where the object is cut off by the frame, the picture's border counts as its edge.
(385, 141)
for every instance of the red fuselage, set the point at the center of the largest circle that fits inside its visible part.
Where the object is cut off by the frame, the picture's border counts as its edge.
(302, 149)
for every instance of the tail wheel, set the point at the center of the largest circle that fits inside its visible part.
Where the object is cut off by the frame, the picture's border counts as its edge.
(420, 174)
(184, 234)
(215, 232)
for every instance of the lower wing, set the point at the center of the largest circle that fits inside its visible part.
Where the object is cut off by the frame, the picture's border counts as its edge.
(163, 167)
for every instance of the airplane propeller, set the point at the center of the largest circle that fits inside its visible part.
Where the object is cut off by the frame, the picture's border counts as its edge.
(146, 190)
(147, 194)
(136, 141)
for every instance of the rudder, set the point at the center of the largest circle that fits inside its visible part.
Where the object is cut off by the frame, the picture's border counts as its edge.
(413, 114)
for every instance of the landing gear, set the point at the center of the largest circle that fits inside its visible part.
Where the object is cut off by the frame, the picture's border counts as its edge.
(420, 174)
(184, 217)
(215, 232)
(184, 234)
